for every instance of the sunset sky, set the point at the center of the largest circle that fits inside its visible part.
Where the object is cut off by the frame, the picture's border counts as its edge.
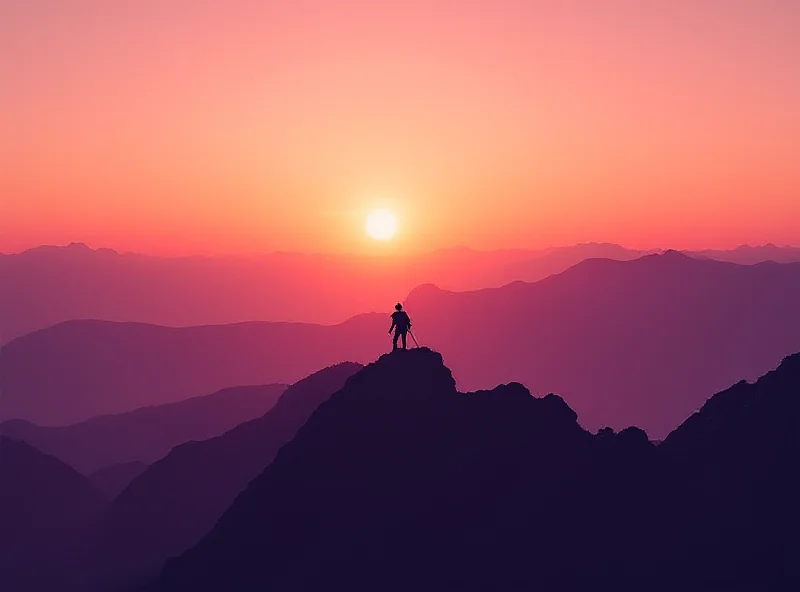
(184, 126)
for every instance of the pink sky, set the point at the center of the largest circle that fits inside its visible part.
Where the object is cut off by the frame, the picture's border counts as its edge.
(179, 126)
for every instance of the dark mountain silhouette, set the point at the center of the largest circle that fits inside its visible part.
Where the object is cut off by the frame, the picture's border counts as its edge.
(177, 500)
(82, 369)
(737, 459)
(44, 505)
(50, 285)
(110, 481)
(399, 482)
(148, 433)
(640, 343)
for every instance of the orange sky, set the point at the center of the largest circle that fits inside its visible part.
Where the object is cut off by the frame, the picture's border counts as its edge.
(182, 126)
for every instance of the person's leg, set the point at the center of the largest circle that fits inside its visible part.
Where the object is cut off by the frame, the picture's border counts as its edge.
(404, 339)
(394, 339)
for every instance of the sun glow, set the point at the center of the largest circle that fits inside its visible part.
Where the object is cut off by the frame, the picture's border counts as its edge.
(381, 225)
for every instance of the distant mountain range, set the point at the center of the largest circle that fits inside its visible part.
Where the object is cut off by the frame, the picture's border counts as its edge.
(639, 343)
(60, 533)
(747, 255)
(625, 343)
(146, 434)
(399, 482)
(81, 369)
(48, 285)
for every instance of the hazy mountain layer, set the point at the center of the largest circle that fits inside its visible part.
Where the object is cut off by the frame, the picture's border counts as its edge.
(49, 285)
(146, 434)
(81, 369)
(625, 343)
(177, 500)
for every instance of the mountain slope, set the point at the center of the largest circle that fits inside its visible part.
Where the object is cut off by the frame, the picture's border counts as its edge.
(737, 460)
(111, 480)
(398, 482)
(149, 433)
(172, 504)
(44, 507)
(625, 343)
(69, 372)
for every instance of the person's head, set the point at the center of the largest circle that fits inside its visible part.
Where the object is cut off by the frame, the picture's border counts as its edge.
(398, 306)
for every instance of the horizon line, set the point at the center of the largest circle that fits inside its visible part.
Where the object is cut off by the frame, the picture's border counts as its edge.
(361, 255)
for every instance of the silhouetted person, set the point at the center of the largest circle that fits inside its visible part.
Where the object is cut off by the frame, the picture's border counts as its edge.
(401, 324)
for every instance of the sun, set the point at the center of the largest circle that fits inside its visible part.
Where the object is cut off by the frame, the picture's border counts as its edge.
(381, 225)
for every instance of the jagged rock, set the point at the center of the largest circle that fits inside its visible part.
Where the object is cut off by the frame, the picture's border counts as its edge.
(399, 482)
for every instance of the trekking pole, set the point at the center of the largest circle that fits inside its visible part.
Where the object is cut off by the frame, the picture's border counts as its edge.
(410, 332)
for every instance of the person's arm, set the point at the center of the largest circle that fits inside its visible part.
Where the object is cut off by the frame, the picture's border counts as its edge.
(392, 327)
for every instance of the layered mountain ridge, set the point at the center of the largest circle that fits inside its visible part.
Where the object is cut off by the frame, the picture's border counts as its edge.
(174, 502)
(148, 433)
(400, 481)
(639, 342)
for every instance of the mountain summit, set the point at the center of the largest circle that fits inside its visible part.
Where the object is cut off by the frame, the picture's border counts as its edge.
(400, 482)
(397, 477)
